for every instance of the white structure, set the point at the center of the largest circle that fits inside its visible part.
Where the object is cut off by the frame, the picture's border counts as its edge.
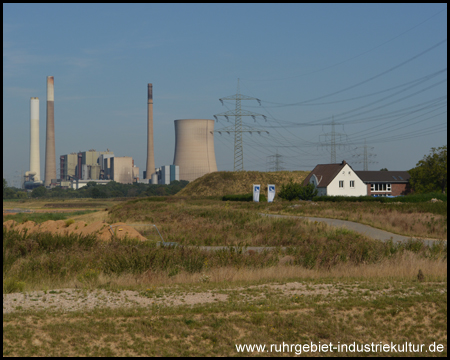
(194, 148)
(35, 165)
(78, 184)
(336, 180)
(166, 174)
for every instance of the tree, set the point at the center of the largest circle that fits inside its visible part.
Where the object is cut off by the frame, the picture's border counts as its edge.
(40, 191)
(384, 169)
(430, 173)
(292, 191)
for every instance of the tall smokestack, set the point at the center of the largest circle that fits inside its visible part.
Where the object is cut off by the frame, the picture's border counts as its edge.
(35, 165)
(150, 148)
(50, 156)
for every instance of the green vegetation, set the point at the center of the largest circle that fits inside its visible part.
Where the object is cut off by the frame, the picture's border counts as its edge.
(41, 258)
(295, 191)
(430, 173)
(93, 190)
(243, 197)
(42, 217)
(13, 192)
(412, 198)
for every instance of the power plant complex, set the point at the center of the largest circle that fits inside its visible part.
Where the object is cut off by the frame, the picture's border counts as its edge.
(194, 148)
(194, 154)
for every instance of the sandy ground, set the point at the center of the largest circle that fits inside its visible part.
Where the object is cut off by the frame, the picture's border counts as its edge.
(79, 299)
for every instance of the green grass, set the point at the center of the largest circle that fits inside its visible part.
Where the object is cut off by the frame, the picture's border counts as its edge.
(42, 217)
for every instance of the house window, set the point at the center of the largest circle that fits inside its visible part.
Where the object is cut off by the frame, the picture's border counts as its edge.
(380, 187)
(352, 183)
(341, 183)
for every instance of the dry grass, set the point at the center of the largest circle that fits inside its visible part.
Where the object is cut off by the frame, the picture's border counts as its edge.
(226, 182)
(401, 219)
(404, 266)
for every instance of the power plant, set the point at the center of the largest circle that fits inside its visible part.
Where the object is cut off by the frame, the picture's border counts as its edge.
(194, 153)
(194, 148)
(150, 169)
(33, 177)
(50, 155)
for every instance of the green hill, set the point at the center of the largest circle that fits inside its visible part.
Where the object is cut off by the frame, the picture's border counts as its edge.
(229, 183)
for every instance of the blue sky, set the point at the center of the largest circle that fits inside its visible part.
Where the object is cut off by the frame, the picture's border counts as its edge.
(379, 69)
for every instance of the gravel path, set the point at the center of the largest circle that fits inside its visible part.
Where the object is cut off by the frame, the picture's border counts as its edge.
(366, 230)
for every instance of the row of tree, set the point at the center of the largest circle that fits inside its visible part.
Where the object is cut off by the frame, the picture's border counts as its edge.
(93, 190)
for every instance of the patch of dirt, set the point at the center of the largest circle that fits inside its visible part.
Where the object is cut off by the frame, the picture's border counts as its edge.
(73, 300)
(9, 224)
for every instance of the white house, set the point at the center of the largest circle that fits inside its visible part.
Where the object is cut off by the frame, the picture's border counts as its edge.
(336, 180)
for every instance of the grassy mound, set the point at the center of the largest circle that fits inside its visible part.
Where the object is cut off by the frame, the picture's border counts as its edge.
(228, 182)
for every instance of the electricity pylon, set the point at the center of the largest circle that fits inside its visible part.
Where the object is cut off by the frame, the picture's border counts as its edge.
(275, 162)
(333, 142)
(366, 155)
(238, 128)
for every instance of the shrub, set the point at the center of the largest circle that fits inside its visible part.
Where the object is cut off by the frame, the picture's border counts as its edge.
(292, 191)
(244, 197)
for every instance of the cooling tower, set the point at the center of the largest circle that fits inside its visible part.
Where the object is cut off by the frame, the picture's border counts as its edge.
(50, 156)
(194, 148)
(35, 165)
(150, 150)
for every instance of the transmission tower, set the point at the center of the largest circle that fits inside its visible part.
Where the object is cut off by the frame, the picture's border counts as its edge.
(238, 128)
(366, 155)
(333, 143)
(275, 162)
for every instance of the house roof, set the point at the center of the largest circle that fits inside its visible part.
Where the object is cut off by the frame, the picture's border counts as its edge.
(325, 173)
(384, 176)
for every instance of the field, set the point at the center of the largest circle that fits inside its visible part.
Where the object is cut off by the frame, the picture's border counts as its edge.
(80, 295)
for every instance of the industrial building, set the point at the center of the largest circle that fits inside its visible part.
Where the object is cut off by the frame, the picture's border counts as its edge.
(194, 148)
(166, 174)
(78, 184)
(122, 169)
(150, 168)
(87, 165)
(50, 155)
(33, 176)
(68, 166)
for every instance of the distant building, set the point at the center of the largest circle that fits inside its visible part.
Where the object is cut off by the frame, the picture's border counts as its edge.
(68, 165)
(336, 180)
(168, 173)
(386, 183)
(78, 184)
(86, 165)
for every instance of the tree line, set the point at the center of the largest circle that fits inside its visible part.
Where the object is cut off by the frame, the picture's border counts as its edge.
(93, 190)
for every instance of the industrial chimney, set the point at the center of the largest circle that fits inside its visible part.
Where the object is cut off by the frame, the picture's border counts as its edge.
(35, 165)
(50, 155)
(150, 149)
(194, 148)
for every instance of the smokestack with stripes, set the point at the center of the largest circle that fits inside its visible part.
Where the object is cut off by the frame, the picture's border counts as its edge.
(50, 155)
(35, 165)
(150, 149)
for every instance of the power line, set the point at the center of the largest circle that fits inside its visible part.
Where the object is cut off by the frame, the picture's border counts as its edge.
(356, 56)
